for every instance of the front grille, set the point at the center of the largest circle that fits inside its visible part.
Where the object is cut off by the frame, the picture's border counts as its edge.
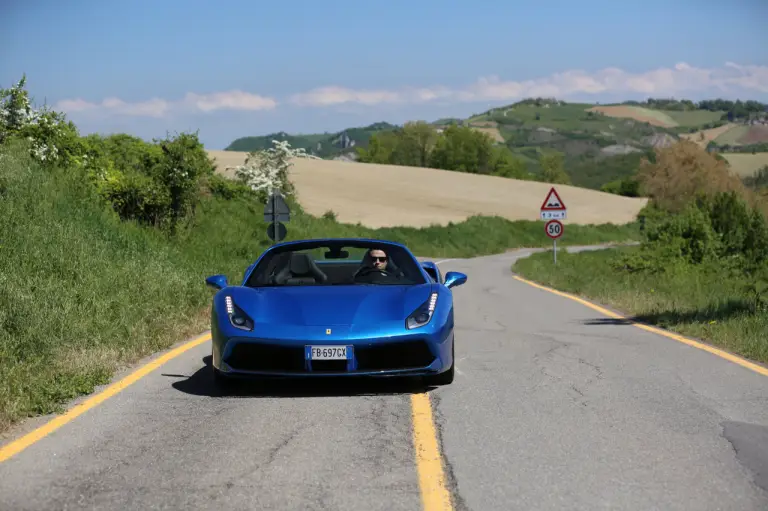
(266, 357)
(329, 366)
(397, 355)
(290, 359)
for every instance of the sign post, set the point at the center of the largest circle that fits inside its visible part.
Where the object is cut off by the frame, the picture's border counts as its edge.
(275, 212)
(553, 210)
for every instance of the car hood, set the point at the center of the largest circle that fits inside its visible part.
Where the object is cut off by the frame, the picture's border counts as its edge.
(330, 305)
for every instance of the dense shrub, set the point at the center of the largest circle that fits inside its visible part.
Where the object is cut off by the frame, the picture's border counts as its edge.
(152, 183)
(685, 172)
(723, 229)
(219, 186)
(627, 187)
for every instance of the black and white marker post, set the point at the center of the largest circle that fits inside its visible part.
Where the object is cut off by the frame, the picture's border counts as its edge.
(276, 211)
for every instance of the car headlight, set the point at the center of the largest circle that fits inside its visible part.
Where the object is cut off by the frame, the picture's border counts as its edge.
(423, 314)
(237, 317)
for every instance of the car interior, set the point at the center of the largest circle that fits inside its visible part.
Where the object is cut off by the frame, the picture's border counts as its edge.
(299, 268)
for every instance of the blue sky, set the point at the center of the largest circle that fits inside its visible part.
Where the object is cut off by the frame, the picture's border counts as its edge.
(233, 68)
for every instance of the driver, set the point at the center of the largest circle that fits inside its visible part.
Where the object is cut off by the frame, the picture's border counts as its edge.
(378, 259)
(376, 262)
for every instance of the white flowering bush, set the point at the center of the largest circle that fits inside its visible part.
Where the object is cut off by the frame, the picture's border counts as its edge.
(267, 171)
(53, 140)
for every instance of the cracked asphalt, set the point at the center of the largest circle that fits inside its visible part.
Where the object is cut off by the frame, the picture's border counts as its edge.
(553, 407)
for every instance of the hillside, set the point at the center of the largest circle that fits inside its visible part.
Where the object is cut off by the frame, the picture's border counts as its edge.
(419, 197)
(600, 144)
(324, 145)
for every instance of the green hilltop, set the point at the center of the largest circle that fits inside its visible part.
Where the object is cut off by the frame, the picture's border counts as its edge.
(599, 146)
(324, 145)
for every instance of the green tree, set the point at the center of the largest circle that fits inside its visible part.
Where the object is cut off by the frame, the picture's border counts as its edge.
(463, 149)
(419, 139)
(553, 169)
(506, 164)
(381, 148)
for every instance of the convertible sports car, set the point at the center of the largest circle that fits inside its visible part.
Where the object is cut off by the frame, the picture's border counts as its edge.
(335, 307)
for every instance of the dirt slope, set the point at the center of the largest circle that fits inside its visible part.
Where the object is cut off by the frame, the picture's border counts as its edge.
(709, 134)
(390, 195)
(652, 117)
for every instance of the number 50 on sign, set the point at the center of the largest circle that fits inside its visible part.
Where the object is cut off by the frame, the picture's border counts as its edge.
(554, 229)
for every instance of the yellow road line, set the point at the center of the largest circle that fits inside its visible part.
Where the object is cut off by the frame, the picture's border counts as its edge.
(432, 481)
(685, 340)
(30, 438)
(434, 492)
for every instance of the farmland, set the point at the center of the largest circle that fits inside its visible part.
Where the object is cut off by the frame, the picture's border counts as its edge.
(419, 197)
(601, 145)
(653, 117)
(745, 165)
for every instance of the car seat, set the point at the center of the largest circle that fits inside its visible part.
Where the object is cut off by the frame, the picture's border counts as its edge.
(301, 269)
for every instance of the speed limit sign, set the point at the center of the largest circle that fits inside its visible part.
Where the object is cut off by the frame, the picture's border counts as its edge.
(554, 229)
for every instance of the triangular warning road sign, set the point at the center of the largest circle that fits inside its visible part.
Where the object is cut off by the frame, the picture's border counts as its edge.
(553, 202)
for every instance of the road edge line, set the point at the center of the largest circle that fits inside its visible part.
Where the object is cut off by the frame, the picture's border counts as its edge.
(429, 460)
(16, 446)
(747, 364)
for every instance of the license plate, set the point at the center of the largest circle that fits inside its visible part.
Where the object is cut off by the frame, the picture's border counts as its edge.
(330, 352)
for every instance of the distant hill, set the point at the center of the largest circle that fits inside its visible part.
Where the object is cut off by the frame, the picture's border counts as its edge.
(324, 145)
(600, 143)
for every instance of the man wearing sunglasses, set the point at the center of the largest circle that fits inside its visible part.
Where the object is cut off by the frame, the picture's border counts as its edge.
(375, 267)
(378, 259)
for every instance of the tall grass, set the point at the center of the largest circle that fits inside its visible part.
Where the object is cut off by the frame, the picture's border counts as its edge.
(83, 293)
(708, 302)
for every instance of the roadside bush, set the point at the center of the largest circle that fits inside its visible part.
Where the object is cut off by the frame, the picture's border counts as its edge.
(684, 172)
(688, 236)
(724, 229)
(184, 163)
(219, 186)
(731, 219)
(152, 183)
(136, 196)
(127, 152)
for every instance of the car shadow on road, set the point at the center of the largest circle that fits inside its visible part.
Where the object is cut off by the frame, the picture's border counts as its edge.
(720, 312)
(201, 383)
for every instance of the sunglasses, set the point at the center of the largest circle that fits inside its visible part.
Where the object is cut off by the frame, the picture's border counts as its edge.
(379, 259)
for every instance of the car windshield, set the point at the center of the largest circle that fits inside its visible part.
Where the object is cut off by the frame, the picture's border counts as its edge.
(336, 263)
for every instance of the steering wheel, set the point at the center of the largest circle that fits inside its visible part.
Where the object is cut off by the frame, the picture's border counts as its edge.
(370, 269)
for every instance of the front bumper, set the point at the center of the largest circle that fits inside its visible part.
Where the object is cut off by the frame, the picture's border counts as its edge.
(247, 357)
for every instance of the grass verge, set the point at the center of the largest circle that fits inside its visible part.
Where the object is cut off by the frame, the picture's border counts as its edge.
(706, 302)
(83, 293)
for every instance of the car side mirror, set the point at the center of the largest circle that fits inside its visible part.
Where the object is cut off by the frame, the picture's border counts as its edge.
(217, 281)
(454, 278)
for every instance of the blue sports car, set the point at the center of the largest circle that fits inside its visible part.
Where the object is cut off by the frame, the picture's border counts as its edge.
(335, 307)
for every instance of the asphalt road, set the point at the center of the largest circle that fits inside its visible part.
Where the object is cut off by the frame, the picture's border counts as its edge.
(553, 407)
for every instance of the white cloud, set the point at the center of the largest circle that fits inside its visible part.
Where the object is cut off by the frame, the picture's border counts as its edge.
(229, 100)
(152, 108)
(678, 80)
(328, 96)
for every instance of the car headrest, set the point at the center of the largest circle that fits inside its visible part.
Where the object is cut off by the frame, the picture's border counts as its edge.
(301, 264)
